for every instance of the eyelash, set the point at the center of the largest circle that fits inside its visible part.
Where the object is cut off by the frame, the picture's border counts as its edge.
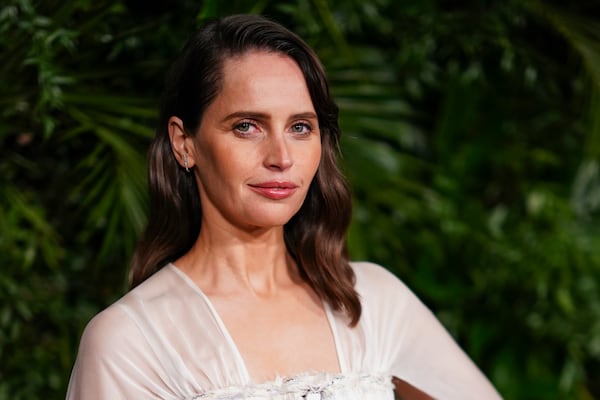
(250, 124)
(307, 127)
(304, 125)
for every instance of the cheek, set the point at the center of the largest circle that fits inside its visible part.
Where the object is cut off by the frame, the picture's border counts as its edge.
(211, 168)
(225, 169)
(215, 160)
(316, 159)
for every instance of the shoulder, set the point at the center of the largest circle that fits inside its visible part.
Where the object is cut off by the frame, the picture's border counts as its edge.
(373, 280)
(407, 340)
(104, 354)
(113, 341)
(109, 332)
(388, 305)
(369, 271)
(120, 325)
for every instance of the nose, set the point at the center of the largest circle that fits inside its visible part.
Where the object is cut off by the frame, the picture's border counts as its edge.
(277, 153)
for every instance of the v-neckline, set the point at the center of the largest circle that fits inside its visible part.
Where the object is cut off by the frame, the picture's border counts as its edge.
(229, 338)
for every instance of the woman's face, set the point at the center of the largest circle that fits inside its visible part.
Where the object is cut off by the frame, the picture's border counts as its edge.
(258, 145)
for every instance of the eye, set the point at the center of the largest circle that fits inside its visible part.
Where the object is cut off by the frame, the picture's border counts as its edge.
(245, 128)
(301, 128)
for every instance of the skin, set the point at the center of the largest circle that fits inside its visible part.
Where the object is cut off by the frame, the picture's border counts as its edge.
(262, 127)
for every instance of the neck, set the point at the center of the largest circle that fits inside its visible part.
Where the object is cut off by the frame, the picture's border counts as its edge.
(224, 261)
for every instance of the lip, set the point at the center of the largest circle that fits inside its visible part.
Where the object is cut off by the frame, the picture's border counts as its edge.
(274, 190)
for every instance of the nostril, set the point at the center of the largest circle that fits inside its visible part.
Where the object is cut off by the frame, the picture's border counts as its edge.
(278, 155)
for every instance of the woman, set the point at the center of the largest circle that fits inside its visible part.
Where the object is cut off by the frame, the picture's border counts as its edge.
(242, 288)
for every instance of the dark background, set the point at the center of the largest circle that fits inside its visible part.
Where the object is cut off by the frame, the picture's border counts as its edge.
(471, 139)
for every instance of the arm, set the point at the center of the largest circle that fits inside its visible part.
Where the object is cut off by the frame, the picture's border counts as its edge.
(413, 345)
(108, 365)
(405, 391)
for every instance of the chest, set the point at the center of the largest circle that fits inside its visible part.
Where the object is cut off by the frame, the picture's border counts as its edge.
(280, 338)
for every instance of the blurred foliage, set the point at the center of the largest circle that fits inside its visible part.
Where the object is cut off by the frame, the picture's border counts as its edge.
(471, 138)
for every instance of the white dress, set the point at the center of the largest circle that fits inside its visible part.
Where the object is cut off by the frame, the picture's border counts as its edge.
(165, 340)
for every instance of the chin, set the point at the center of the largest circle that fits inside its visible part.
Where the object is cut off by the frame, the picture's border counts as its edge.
(272, 219)
(272, 223)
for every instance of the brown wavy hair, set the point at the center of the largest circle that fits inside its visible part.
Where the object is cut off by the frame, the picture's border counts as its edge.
(316, 236)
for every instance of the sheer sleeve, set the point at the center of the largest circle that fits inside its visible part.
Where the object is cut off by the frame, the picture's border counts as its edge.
(109, 363)
(412, 343)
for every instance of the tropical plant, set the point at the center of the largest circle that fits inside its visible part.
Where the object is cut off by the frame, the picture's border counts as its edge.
(471, 139)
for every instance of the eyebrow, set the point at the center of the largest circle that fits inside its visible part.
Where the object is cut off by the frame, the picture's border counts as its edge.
(265, 116)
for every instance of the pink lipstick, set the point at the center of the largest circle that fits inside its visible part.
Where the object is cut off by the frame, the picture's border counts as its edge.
(275, 190)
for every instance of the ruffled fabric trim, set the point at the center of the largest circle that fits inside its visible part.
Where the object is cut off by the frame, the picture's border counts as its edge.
(320, 386)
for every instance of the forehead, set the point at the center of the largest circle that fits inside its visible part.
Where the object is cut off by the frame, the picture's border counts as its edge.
(263, 77)
(260, 64)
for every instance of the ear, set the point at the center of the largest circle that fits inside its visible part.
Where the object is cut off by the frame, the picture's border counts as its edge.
(181, 143)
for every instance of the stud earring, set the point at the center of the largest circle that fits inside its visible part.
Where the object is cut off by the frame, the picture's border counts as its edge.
(185, 162)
